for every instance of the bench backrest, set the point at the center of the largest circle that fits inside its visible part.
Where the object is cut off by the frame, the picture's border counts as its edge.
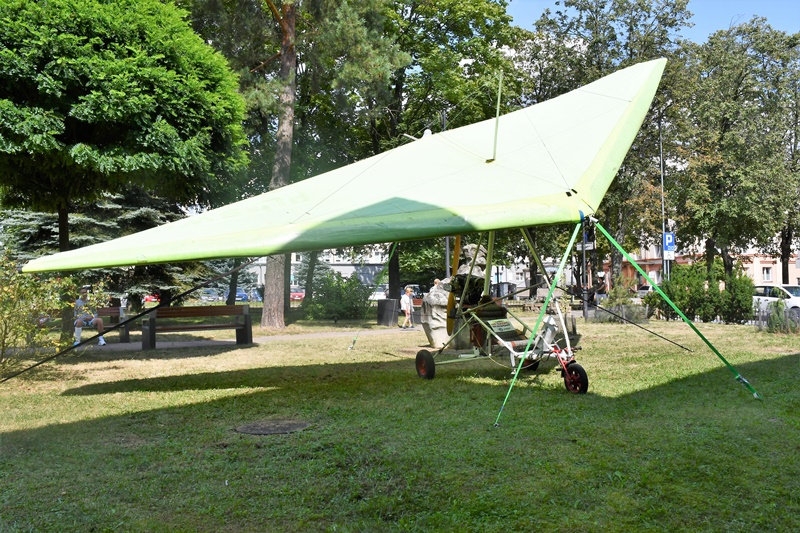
(108, 311)
(200, 311)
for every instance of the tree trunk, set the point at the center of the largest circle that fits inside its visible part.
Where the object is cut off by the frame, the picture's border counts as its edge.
(309, 283)
(787, 234)
(394, 274)
(274, 275)
(63, 246)
(233, 283)
(727, 261)
(287, 276)
(711, 252)
(63, 229)
(272, 314)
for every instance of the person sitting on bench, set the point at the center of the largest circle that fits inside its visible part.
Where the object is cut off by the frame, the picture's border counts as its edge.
(84, 318)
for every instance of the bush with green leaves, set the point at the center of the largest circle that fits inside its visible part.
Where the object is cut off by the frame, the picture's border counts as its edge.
(706, 296)
(737, 298)
(620, 293)
(338, 297)
(780, 319)
(27, 304)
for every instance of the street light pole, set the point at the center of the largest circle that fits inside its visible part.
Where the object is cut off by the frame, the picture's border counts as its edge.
(664, 260)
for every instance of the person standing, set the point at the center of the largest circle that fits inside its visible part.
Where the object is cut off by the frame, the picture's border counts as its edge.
(407, 306)
(84, 318)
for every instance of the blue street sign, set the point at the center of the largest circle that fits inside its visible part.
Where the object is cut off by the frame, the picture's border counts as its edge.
(669, 242)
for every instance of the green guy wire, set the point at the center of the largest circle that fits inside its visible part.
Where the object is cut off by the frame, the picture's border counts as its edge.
(539, 319)
(666, 298)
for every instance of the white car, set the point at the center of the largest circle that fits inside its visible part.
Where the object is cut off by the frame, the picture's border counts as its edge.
(766, 294)
(379, 293)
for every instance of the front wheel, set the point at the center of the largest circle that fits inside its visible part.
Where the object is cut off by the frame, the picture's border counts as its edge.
(426, 368)
(575, 379)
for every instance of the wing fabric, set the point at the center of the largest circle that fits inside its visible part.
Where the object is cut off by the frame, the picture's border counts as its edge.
(554, 161)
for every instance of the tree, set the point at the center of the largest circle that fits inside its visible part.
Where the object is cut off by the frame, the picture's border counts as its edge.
(735, 192)
(457, 52)
(591, 39)
(306, 71)
(97, 94)
(789, 234)
(585, 40)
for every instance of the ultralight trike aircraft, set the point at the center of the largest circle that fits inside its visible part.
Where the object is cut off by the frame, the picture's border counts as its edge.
(545, 164)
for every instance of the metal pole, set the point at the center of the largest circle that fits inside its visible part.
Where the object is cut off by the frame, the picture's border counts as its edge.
(584, 276)
(664, 260)
(447, 256)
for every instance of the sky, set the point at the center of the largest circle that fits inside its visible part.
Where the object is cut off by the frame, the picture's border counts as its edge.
(709, 15)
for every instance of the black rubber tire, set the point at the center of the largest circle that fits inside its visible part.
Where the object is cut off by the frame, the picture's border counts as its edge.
(575, 379)
(426, 367)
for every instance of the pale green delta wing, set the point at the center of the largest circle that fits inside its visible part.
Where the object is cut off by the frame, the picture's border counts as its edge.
(550, 163)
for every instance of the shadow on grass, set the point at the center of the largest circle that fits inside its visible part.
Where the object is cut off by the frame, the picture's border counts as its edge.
(384, 444)
(350, 374)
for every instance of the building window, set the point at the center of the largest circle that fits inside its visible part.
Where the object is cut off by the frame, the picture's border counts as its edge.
(766, 273)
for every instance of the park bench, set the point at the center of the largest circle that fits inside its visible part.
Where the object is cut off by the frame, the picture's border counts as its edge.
(114, 317)
(163, 319)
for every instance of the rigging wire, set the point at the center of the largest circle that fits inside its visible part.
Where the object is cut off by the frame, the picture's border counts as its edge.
(113, 327)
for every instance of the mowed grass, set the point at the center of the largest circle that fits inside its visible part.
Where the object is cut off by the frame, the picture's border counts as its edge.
(665, 440)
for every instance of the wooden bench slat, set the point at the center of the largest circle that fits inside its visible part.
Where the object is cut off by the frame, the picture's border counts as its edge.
(201, 311)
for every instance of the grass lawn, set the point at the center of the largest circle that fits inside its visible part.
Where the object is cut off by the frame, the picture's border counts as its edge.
(665, 440)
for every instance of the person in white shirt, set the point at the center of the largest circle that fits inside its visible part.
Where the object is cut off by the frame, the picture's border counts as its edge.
(407, 305)
(83, 318)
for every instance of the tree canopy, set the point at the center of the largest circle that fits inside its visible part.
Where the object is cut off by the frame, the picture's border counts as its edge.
(95, 94)
(740, 181)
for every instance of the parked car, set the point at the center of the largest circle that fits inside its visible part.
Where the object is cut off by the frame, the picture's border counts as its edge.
(416, 291)
(241, 296)
(210, 295)
(296, 294)
(379, 293)
(764, 295)
(643, 291)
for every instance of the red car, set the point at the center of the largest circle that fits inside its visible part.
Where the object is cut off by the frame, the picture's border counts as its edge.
(297, 293)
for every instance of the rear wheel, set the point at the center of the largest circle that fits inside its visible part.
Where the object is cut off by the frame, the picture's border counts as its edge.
(426, 367)
(575, 379)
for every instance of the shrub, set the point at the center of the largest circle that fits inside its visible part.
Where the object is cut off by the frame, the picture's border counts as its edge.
(700, 294)
(621, 313)
(338, 297)
(619, 307)
(780, 320)
(620, 293)
(27, 304)
(737, 299)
